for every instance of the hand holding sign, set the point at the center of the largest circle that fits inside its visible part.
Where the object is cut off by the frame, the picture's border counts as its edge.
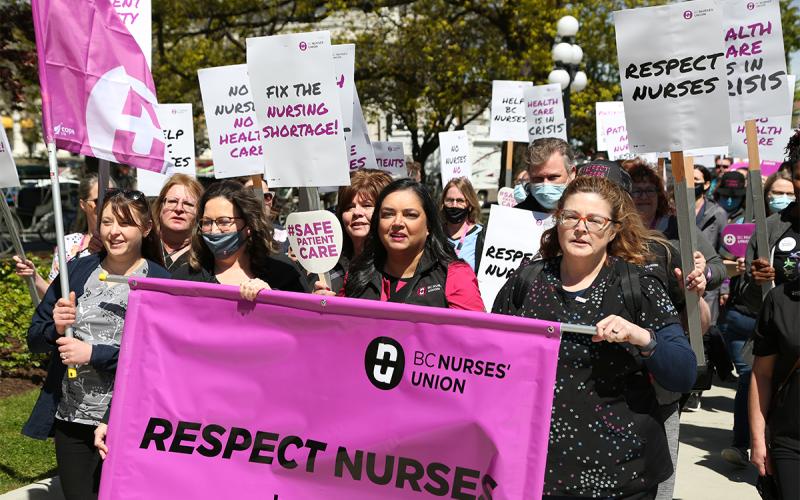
(316, 239)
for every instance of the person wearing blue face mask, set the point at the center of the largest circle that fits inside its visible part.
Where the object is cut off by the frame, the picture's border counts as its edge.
(233, 245)
(730, 195)
(551, 166)
(779, 192)
(521, 186)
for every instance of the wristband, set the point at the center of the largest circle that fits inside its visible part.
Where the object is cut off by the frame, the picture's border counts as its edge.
(650, 347)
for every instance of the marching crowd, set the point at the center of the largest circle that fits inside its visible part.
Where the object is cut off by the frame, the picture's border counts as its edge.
(611, 260)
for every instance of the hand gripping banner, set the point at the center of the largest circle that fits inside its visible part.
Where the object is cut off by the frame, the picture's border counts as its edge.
(298, 397)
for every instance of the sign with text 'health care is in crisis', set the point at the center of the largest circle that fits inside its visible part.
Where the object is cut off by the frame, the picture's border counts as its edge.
(178, 125)
(308, 397)
(509, 122)
(390, 157)
(672, 71)
(298, 108)
(454, 155)
(754, 58)
(544, 112)
(231, 121)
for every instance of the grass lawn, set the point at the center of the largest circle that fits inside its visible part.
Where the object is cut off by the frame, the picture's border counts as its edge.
(22, 460)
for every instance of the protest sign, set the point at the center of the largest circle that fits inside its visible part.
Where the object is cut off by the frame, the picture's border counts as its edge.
(754, 58)
(298, 109)
(359, 148)
(612, 133)
(307, 397)
(505, 197)
(178, 125)
(512, 235)
(344, 61)
(544, 112)
(8, 169)
(389, 157)
(231, 121)
(136, 16)
(316, 239)
(773, 132)
(454, 155)
(509, 122)
(735, 237)
(672, 72)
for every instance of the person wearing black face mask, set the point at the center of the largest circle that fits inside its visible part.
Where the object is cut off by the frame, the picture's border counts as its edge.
(460, 212)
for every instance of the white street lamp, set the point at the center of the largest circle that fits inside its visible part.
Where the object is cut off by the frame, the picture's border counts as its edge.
(559, 76)
(567, 26)
(579, 82)
(563, 52)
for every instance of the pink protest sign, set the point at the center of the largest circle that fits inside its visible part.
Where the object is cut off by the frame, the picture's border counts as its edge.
(736, 236)
(505, 197)
(301, 397)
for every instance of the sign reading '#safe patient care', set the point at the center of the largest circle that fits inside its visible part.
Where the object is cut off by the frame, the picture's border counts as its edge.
(316, 239)
(672, 72)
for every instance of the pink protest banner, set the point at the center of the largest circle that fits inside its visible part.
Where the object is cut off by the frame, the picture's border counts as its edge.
(299, 397)
(98, 96)
(735, 237)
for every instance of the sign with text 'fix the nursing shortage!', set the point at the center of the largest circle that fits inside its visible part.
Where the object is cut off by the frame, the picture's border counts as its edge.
(359, 148)
(178, 126)
(672, 71)
(509, 122)
(298, 108)
(454, 155)
(544, 112)
(231, 121)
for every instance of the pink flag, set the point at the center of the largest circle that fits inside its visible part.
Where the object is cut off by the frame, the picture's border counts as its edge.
(302, 397)
(98, 96)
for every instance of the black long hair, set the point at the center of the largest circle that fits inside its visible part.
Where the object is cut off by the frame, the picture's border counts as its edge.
(373, 258)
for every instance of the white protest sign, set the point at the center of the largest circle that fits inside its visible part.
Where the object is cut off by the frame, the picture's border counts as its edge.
(697, 152)
(512, 235)
(454, 155)
(389, 157)
(612, 133)
(316, 239)
(754, 58)
(344, 61)
(136, 16)
(672, 72)
(231, 121)
(359, 148)
(774, 132)
(8, 169)
(544, 112)
(298, 109)
(505, 197)
(508, 122)
(178, 126)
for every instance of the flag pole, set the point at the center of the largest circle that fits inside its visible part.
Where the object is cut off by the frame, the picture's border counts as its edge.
(61, 251)
(15, 240)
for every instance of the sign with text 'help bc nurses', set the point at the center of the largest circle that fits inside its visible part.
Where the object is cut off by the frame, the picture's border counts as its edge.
(310, 398)
(298, 108)
(231, 121)
(509, 122)
(544, 112)
(672, 71)
(178, 125)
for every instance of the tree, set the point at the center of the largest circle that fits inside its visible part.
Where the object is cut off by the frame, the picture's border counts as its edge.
(19, 86)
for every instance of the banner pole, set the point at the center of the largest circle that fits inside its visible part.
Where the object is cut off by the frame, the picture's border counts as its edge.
(61, 251)
(17, 242)
(309, 201)
(509, 163)
(579, 329)
(757, 195)
(683, 174)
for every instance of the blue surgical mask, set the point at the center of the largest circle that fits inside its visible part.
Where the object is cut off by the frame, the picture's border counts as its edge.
(520, 194)
(224, 245)
(547, 194)
(778, 203)
(730, 203)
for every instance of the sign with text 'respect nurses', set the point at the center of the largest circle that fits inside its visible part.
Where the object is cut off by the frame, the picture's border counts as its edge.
(178, 125)
(754, 58)
(390, 157)
(509, 122)
(136, 16)
(231, 121)
(544, 112)
(8, 169)
(298, 108)
(359, 148)
(774, 132)
(672, 71)
(512, 235)
(454, 155)
(344, 62)
(316, 239)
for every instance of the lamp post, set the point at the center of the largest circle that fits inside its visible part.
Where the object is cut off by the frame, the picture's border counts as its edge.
(567, 57)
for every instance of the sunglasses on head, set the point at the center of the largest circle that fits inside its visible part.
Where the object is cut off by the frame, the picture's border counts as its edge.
(128, 194)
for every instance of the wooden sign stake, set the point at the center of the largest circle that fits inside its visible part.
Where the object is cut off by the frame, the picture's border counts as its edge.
(757, 194)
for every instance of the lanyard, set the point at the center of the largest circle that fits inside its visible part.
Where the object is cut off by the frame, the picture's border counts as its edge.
(461, 241)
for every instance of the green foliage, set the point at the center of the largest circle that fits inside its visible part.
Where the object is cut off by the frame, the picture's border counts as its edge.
(16, 310)
(22, 460)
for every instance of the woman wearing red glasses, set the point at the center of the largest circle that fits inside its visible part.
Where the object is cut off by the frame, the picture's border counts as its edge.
(606, 435)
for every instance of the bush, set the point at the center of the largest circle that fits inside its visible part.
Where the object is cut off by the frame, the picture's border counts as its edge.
(16, 310)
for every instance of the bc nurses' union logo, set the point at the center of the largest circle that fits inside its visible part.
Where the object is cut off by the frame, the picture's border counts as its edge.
(121, 121)
(687, 14)
(729, 239)
(384, 362)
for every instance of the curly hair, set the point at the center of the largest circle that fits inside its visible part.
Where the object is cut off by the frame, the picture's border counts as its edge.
(631, 242)
(793, 149)
(368, 183)
(465, 186)
(640, 171)
(260, 243)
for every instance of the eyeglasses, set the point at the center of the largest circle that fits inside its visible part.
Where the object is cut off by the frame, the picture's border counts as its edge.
(570, 219)
(641, 193)
(223, 223)
(455, 201)
(128, 194)
(173, 203)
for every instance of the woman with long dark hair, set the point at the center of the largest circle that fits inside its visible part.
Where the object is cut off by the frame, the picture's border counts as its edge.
(407, 257)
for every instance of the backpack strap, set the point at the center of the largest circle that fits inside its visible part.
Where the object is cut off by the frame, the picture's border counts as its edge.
(631, 287)
(523, 277)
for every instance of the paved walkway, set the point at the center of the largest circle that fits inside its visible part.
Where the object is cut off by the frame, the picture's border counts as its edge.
(702, 473)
